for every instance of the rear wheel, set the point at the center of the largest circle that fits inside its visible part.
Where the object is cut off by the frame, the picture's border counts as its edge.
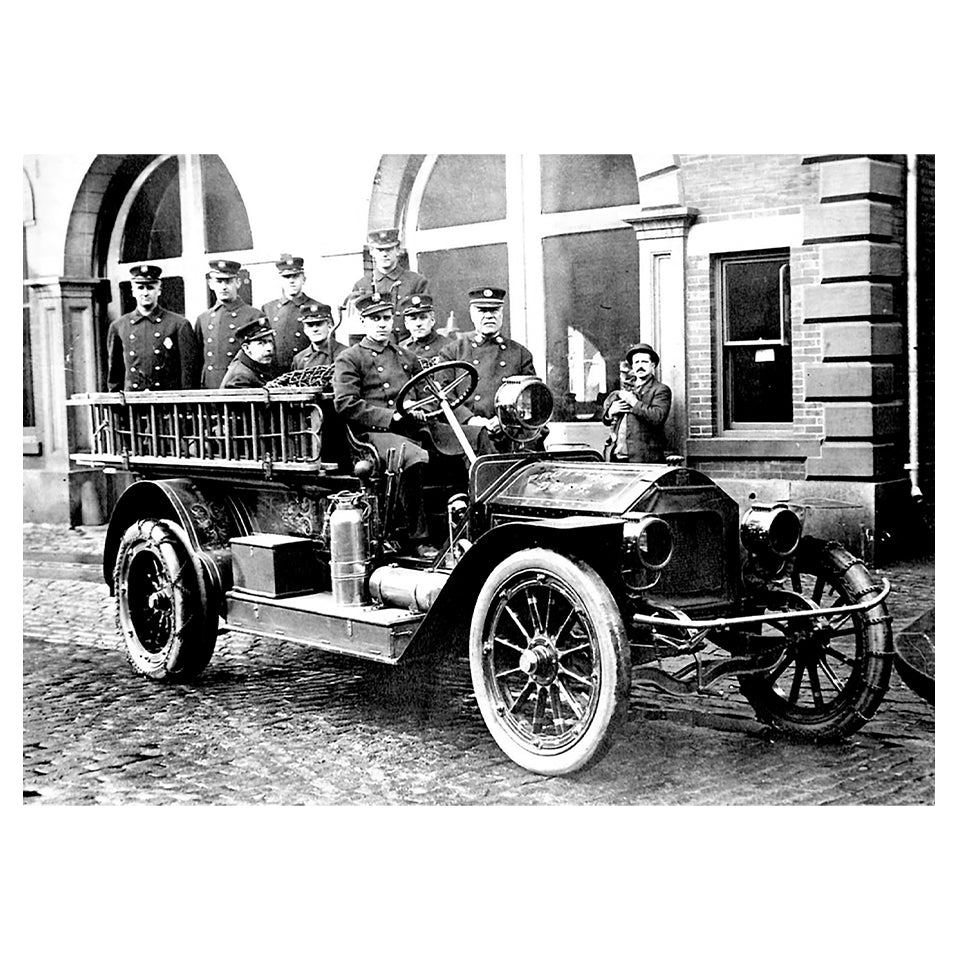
(164, 608)
(550, 662)
(834, 670)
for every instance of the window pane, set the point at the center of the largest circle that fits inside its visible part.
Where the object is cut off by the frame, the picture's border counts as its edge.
(759, 387)
(752, 299)
(574, 181)
(225, 223)
(464, 188)
(171, 295)
(454, 273)
(592, 310)
(152, 230)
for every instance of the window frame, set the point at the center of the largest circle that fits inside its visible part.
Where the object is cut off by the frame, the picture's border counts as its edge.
(727, 426)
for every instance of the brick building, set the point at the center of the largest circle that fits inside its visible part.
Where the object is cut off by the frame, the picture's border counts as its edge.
(777, 289)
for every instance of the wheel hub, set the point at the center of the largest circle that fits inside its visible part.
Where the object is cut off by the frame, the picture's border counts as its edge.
(539, 661)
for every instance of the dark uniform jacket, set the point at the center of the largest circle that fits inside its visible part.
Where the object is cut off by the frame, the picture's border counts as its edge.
(244, 372)
(217, 331)
(429, 347)
(314, 357)
(157, 352)
(495, 358)
(383, 283)
(638, 436)
(289, 338)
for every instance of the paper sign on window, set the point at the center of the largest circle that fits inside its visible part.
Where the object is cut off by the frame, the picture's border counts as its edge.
(765, 355)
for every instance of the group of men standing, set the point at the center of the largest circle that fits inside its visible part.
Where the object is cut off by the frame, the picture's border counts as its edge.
(235, 345)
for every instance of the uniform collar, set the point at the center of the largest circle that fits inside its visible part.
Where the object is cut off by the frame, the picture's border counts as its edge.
(479, 338)
(248, 361)
(394, 274)
(155, 315)
(232, 305)
(374, 345)
(298, 299)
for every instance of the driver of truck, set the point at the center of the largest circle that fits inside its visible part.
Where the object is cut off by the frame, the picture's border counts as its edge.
(252, 366)
(367, 378)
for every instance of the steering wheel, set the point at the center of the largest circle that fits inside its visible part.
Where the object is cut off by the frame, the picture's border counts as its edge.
(438, 388)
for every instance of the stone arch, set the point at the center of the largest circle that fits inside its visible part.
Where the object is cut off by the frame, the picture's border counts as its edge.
(95, 210)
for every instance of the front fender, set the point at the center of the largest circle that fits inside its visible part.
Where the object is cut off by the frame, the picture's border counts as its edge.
(208, 520)
(597, 541)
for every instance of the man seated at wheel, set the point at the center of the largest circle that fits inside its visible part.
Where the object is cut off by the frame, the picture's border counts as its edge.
(387, 399)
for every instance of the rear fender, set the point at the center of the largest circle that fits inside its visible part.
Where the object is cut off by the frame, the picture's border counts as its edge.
(208, 522)
(597, 541)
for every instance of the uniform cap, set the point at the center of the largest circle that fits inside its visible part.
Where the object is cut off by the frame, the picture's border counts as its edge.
(224, 268)
(315, 313)
(145, 272)
(369, 305)
(289, 265)
(418, 303)
(494, 296)
(383, 238)
(256, 329)
(642, 348)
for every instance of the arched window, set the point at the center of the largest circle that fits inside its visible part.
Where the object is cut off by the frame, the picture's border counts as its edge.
(551, 230)
(180, 211)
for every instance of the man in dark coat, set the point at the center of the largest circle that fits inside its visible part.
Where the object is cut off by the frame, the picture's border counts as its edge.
(151, 348)
(637, 415)
(322, 350)
(495, 356)
(367, 378)
(284, 313)
(217, 327)
(252, 366)
(420, 321)
(389, 279)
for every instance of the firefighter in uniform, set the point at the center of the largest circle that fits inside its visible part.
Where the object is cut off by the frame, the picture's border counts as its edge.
(252, 366)
(322, 350)
(367, 378)
(151, 348)
(389, 279)
(418, 316)
(495, 356)
(284, 313)
(217, 327)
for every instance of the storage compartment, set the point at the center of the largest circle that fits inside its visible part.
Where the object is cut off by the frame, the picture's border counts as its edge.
(269, 565)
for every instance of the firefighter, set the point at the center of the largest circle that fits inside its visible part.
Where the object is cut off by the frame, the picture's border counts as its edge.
(495, 356)
(217, 327)
(389, 279)
(322, 350)
(151, 348)
(252, 366)
(284, 313)
(420, 321)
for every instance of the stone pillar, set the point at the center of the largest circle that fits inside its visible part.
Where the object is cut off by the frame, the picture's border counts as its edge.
(662, 247)
(67, 348)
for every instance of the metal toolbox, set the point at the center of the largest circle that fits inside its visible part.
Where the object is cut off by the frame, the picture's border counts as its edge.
(270, 565)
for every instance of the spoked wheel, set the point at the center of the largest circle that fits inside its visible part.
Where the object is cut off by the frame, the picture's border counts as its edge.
(834, 670)
(550, 662)
(165, 611)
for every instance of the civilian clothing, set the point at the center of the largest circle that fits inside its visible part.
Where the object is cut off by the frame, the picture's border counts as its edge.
(637, 436)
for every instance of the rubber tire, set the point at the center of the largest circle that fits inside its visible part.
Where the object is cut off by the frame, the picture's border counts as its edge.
(864, 689)
(187, 642)
(614, 655)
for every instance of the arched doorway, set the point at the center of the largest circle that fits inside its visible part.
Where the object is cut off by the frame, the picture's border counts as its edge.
(549, 228)
(178, 212)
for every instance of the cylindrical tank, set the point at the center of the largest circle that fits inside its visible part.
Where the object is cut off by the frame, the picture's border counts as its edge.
(395, 586)
(348, 550)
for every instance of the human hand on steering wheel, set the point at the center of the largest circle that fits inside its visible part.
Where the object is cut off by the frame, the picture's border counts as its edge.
(449, 383)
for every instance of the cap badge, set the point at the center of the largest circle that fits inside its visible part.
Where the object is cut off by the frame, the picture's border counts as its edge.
(488, 292)
(221, 264)
(415, 301)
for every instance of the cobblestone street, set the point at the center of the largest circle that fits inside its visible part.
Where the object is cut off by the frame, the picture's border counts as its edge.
(277, 723)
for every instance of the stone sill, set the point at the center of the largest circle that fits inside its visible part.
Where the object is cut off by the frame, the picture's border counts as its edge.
(758, 448)
(32, 447)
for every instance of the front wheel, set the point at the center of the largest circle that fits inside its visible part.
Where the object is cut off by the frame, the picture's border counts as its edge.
(550, 662)
(165, 612)
(834, 670)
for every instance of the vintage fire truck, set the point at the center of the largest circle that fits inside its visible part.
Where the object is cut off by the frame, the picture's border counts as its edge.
(566, 578)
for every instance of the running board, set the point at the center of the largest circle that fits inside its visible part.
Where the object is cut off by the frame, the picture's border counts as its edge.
(370, 632)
